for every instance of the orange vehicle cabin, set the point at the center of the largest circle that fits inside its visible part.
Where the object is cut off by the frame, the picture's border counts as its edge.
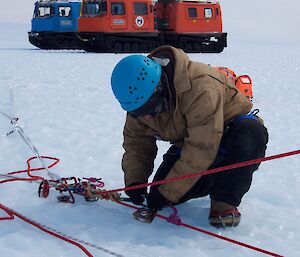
(117, 16)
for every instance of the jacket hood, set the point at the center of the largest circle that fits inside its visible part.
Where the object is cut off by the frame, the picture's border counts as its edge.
(181, 62)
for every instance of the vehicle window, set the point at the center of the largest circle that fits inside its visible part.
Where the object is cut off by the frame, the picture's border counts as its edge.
(64, 11)
(91, 8)
(192, 12)
(117, 9)
(103, 7)
(140, 9)
(44, 11)
(208, 13)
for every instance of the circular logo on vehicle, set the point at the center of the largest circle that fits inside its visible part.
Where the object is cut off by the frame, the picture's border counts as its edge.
(139, 21)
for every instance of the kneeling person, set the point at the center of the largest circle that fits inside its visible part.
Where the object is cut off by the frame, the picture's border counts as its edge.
(206, 119)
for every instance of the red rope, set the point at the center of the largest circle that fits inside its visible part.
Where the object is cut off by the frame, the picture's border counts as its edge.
(206, 172)
(29, 170)
(201, 173)
(11, 213)
(211, 233)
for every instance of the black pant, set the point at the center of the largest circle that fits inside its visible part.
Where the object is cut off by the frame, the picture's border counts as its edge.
(242, 141)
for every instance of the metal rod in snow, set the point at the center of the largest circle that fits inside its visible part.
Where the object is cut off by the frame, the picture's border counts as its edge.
(27, 140)
(7, 116)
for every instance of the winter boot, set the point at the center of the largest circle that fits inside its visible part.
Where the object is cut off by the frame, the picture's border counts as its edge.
(223, 215)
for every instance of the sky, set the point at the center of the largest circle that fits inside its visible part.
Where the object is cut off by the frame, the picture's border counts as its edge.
(250, 20)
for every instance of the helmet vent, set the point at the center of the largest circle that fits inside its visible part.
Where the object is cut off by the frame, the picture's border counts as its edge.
(142, 74)
(131, 88)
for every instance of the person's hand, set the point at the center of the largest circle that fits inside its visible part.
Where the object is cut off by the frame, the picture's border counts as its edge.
(137, 196)
(156, 200)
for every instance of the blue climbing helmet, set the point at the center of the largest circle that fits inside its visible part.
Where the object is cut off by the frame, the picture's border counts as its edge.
(134, 80)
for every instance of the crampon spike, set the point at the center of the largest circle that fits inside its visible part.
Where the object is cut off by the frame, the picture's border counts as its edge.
(144, 215)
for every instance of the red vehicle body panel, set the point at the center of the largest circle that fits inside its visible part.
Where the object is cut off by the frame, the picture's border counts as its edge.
(195, 17)
(142, 25)
(113, 22)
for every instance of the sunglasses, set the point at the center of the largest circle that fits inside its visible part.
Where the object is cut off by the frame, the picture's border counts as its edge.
(154, 106)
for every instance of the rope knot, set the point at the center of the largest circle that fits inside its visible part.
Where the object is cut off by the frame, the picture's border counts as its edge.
(174, 218)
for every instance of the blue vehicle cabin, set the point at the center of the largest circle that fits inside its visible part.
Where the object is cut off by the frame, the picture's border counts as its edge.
(54, 24)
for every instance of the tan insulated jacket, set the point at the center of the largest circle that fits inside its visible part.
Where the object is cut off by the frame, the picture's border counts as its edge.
(205, 100)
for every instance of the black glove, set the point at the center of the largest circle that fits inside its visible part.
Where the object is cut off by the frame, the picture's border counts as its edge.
(156, 200)
(137, 196)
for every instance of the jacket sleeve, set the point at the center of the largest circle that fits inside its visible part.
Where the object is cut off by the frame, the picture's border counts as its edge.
(203, 109)
(140, 152)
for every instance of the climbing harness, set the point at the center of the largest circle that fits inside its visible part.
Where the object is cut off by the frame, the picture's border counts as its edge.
(251, 115)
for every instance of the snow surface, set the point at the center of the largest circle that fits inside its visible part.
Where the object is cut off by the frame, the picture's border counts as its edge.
(66, 107)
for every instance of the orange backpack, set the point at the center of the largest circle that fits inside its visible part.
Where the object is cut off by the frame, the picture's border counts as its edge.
(243, 82)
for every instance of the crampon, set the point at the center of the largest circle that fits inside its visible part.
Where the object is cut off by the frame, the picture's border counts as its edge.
(144, 215)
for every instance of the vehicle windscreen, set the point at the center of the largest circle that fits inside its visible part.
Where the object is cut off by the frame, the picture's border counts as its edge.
(92, 8)
(43, 11)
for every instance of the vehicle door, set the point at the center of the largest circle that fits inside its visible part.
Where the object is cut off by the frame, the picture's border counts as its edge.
(65, 18)
(141, 16)
(119, 19)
